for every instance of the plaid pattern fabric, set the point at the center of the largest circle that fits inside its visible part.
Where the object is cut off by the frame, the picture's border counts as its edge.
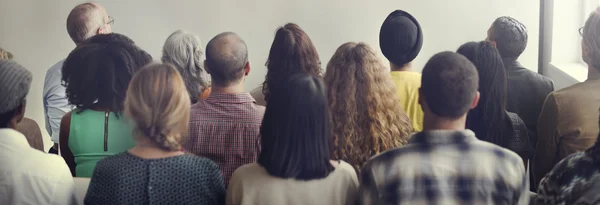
(445, 167)
(225, 128)
(575, 180)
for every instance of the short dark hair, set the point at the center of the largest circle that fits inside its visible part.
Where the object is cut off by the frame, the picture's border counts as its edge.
(510, 36)
(296, 131)
(292, 52)
(449, 84)
(226, 57)
(489, 120)
(97, 73)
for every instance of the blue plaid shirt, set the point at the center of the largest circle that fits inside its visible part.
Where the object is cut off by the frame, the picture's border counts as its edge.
(445, 167)
(574, 180)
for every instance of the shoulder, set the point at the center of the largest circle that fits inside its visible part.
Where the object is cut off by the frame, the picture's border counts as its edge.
(197, 162)
(118, 160)
(500, 154)
(575, 90)
(55, 70)
(48, 166)
(391, 155)
(515, 119)
(347, 169)
(249, 169)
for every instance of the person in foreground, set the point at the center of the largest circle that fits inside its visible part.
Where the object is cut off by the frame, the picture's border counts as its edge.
(527, 89)
(445, 164)
(292, 52)
(489, 120)
(567, 121)
(96, 75)
(27, 126)
(27, 175)
(225, 127)
(366, 121)
(574, 180)
(84, 21)
(156, 171)
(184, 51)
(400, 40)
(295, 166)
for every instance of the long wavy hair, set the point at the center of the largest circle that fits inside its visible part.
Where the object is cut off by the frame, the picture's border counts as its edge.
(292, 52)
(489, 120)
(367, 116)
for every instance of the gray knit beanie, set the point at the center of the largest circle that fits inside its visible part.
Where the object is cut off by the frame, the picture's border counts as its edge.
(15, 81)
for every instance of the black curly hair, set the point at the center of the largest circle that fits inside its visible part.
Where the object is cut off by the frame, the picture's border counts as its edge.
(97, 73)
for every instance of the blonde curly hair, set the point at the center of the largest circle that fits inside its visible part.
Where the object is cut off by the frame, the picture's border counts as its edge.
(159, 105)
(5, 55)
(367, 116)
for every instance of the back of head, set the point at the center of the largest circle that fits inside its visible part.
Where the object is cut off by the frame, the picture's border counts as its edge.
(184, 51)
(84, 20)
(449, 85)
(15, 81)
(158, 104)
(292, 52)
(510, 36)
(489, 119)
(591, 39)
(295, 132)
(366, 120)
(5, 55)
(400, 38)
(96, 73)
(226, 57)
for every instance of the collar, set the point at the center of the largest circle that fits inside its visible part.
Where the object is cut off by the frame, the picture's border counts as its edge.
(442, 137)
(13, 139)
(237, 98)
(512, 64)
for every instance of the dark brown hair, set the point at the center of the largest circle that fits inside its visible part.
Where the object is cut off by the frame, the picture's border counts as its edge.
(292, 52)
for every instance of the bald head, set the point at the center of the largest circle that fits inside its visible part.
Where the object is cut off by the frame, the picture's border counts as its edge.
(226, 59)
(87, 20)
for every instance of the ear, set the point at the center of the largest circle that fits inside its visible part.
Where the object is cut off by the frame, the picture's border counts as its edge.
(206, 68)
(101, 30)
(19, 115)
(475, 100)
(247, 68)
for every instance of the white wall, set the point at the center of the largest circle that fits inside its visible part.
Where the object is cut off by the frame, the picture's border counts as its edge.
(34, 30)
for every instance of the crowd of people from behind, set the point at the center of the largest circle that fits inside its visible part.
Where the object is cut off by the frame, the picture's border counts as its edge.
(467, 130)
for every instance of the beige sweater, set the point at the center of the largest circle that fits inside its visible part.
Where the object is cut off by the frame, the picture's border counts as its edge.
(252, 185)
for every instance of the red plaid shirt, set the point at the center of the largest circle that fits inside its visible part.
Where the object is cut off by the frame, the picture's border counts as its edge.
(225, 128)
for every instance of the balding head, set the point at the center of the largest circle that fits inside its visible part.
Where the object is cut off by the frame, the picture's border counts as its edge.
(87, 20)
(227, 59)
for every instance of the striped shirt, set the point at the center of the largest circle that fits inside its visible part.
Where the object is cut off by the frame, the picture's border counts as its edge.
(445, 167)
(225, 128)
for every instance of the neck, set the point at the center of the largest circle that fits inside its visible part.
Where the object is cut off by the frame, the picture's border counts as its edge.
(405, 67)
(593, 73)
(231, 89)
(509, 59)
(148, 150)
(442, 123)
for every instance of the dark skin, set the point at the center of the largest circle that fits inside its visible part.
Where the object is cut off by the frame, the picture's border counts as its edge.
(65, 151)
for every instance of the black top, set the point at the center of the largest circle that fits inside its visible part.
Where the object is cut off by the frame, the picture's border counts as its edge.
(127, 179)
(518, 141)
(527, 92)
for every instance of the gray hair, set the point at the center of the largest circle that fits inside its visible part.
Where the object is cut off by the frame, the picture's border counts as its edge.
(184, 50)
(83, 20)
(591, 39)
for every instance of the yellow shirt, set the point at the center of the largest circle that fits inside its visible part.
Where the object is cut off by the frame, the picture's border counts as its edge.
(407, 86)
